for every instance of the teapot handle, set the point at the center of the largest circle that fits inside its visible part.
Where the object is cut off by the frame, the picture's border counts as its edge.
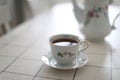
(113, 26)
(79, 11)
(76, 4)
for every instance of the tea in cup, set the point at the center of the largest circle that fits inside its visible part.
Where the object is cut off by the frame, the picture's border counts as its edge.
(65, 48)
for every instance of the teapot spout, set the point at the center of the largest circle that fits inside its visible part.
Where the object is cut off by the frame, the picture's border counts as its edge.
(79, 11)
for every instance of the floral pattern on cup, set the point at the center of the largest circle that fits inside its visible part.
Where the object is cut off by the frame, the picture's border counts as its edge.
(95, 13)
(65, 54)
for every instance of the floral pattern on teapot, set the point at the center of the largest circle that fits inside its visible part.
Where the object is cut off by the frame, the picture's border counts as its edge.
(95, 13)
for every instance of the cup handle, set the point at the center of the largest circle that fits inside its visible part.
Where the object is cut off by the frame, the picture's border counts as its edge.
(85, 45)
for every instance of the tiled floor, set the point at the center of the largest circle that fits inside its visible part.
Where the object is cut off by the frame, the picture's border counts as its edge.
(93, 73)
(5, 62)
(11, 50)
(22, 48)
(56, 74)
(24, 66)
(13, 76)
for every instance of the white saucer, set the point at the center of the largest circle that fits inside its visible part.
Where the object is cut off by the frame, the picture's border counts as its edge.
(81, 60)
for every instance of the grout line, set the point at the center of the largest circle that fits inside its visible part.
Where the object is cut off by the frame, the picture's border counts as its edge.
(111, 63)
(44, 76)
(18, 73)
(8, 56)
(1, 72)
(49, 78)
(38, 71)
(96, 66)
(30, 59)
(75, 74)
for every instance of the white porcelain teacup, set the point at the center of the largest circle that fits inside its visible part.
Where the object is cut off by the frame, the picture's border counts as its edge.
(65, 48)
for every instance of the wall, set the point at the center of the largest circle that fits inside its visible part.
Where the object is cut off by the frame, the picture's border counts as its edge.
(10, 3)
(2, 2)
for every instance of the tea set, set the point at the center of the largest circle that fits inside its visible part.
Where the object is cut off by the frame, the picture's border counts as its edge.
(64, 54)
(67, 50)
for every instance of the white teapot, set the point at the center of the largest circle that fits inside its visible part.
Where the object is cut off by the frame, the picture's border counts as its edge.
(94, 16)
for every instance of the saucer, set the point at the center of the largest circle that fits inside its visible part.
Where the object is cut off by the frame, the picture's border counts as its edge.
(80, 61)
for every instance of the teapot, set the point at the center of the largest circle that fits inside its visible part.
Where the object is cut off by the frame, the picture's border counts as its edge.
(94, 16)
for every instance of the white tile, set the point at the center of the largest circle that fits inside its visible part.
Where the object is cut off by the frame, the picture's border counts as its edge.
(28, 33)
(116, 74)
(34, 53)
(93, 73)
(44, 42)
(99, 60)
(11, 76)
(5, 61)
(98, 48)
(57, 74)
(116, 61)
(31, 33)
(25, 66)
(39, 78)
(22, 41)
(11, 50)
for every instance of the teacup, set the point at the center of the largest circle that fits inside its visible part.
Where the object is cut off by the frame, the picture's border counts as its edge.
(65, 48)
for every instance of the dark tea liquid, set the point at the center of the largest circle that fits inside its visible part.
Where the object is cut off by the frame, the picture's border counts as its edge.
(65, 42)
